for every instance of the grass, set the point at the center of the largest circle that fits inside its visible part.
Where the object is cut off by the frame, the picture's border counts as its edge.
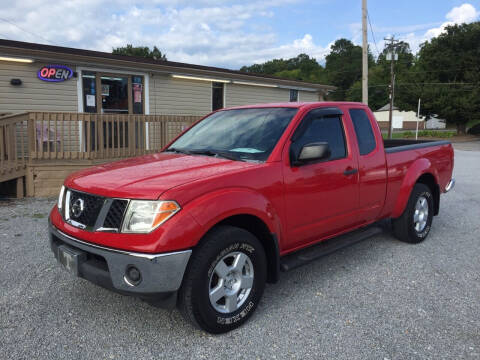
(421, 133)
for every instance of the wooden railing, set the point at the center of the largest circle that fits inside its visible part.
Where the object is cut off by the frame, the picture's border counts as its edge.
(100, 136)
(13, 150)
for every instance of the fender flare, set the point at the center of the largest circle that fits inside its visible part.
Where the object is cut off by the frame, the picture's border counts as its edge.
(212, 208)
(418, 168)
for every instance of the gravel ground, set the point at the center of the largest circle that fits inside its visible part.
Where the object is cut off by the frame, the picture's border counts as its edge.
(378, 299)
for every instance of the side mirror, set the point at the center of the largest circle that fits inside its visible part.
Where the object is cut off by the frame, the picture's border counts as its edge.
(313, 152)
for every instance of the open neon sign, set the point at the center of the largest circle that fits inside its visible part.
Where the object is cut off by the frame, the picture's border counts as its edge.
(55, 73)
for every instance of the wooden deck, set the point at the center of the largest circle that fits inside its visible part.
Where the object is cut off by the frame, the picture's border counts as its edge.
(43, 148)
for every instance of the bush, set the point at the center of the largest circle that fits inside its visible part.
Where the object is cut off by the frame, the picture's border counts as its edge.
(474, 130)
(421, 134)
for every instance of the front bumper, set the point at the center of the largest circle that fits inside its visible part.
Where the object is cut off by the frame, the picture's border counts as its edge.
(450, 185)
(161, 274)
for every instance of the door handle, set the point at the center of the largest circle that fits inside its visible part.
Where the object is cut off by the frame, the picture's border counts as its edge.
(350, 171)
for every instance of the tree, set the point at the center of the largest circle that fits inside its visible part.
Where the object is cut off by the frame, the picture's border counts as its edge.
(344, 67)
(140, 51)
(447, 75)
(301, 67)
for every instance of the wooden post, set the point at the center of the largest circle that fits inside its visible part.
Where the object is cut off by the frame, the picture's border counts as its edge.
(20, 193)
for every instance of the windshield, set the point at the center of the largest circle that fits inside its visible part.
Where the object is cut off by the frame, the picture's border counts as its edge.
(241, 134)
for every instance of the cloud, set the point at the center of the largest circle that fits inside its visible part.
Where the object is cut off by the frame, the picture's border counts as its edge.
(202, 32)
(228, 33)
(465, 13)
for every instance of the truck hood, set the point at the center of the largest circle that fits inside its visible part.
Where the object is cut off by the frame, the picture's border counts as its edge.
(149, 176)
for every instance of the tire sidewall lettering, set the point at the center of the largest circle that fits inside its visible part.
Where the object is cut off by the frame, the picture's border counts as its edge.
(244, 247)
(233, 319)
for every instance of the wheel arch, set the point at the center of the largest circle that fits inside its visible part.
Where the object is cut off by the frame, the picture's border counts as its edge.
(421, 171)
(429, 180)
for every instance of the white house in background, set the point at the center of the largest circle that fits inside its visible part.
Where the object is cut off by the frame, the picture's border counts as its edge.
(406, 120)
(435, 123)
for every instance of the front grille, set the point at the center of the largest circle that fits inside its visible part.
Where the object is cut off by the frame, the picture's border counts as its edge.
(114, 217)
(84, 208)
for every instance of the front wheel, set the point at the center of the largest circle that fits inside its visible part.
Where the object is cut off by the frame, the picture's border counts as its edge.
(224, 280)
(415, 223)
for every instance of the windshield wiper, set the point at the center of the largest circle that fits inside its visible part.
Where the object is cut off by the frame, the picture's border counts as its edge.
(222, 154)
(177, 150)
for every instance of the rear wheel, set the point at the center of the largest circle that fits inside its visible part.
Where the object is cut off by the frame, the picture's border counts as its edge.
(415, 223)
(224, 280)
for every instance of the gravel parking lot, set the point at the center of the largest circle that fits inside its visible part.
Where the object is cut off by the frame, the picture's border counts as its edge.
(378, 299)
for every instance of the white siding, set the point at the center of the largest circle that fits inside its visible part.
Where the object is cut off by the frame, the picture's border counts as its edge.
(179, 97)
(34, 94)
(409, 116)
(308, 96)
(238, 95)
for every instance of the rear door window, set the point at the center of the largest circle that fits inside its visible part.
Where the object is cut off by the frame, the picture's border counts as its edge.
(363, 130)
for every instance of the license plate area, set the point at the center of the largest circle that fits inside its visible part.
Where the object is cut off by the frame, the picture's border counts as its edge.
(71, 258)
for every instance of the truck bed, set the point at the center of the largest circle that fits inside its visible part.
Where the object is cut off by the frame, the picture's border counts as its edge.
(404, 155)
(397, 145)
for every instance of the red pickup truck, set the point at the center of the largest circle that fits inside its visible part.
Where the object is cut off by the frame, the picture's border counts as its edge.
(240, 196)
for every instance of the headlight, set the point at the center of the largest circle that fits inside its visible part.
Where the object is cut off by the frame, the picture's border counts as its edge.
(60, 199)
(145, 216)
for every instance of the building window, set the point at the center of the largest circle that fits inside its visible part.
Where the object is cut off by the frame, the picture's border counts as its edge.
(293, 95)
(113, 93)
(217, 96)
(89, 92)
(137, 94)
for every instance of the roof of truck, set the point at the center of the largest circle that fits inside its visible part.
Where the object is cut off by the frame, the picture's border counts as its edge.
(298, 104)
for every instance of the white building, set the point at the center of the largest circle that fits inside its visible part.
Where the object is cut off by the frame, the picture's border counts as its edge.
(406, 120)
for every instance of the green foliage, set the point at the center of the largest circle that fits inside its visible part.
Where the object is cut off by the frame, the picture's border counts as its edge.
(141, 51)
(302, 67)
(447, 75)
(421, 134)
(344, 68)
(475, 130)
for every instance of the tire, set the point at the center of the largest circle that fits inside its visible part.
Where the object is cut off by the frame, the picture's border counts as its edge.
(238, 289)
(415, 223)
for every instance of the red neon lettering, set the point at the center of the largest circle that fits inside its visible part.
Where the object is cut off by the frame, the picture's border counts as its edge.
(51, 72)
(44, 72)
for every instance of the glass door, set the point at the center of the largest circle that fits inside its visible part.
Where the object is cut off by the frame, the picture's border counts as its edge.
(114, 94)
(108, 93)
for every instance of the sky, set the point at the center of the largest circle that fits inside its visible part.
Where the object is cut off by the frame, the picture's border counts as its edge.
(229, 33)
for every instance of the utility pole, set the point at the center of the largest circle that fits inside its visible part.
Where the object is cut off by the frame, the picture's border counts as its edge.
(392, 56)
(364, 53)
(418, 118)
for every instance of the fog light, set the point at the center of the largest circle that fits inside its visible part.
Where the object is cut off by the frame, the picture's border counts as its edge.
(133, 276)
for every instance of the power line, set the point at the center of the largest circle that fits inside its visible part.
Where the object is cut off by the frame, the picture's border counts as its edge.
(373, 35)
(28, 32)
(429, 84)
